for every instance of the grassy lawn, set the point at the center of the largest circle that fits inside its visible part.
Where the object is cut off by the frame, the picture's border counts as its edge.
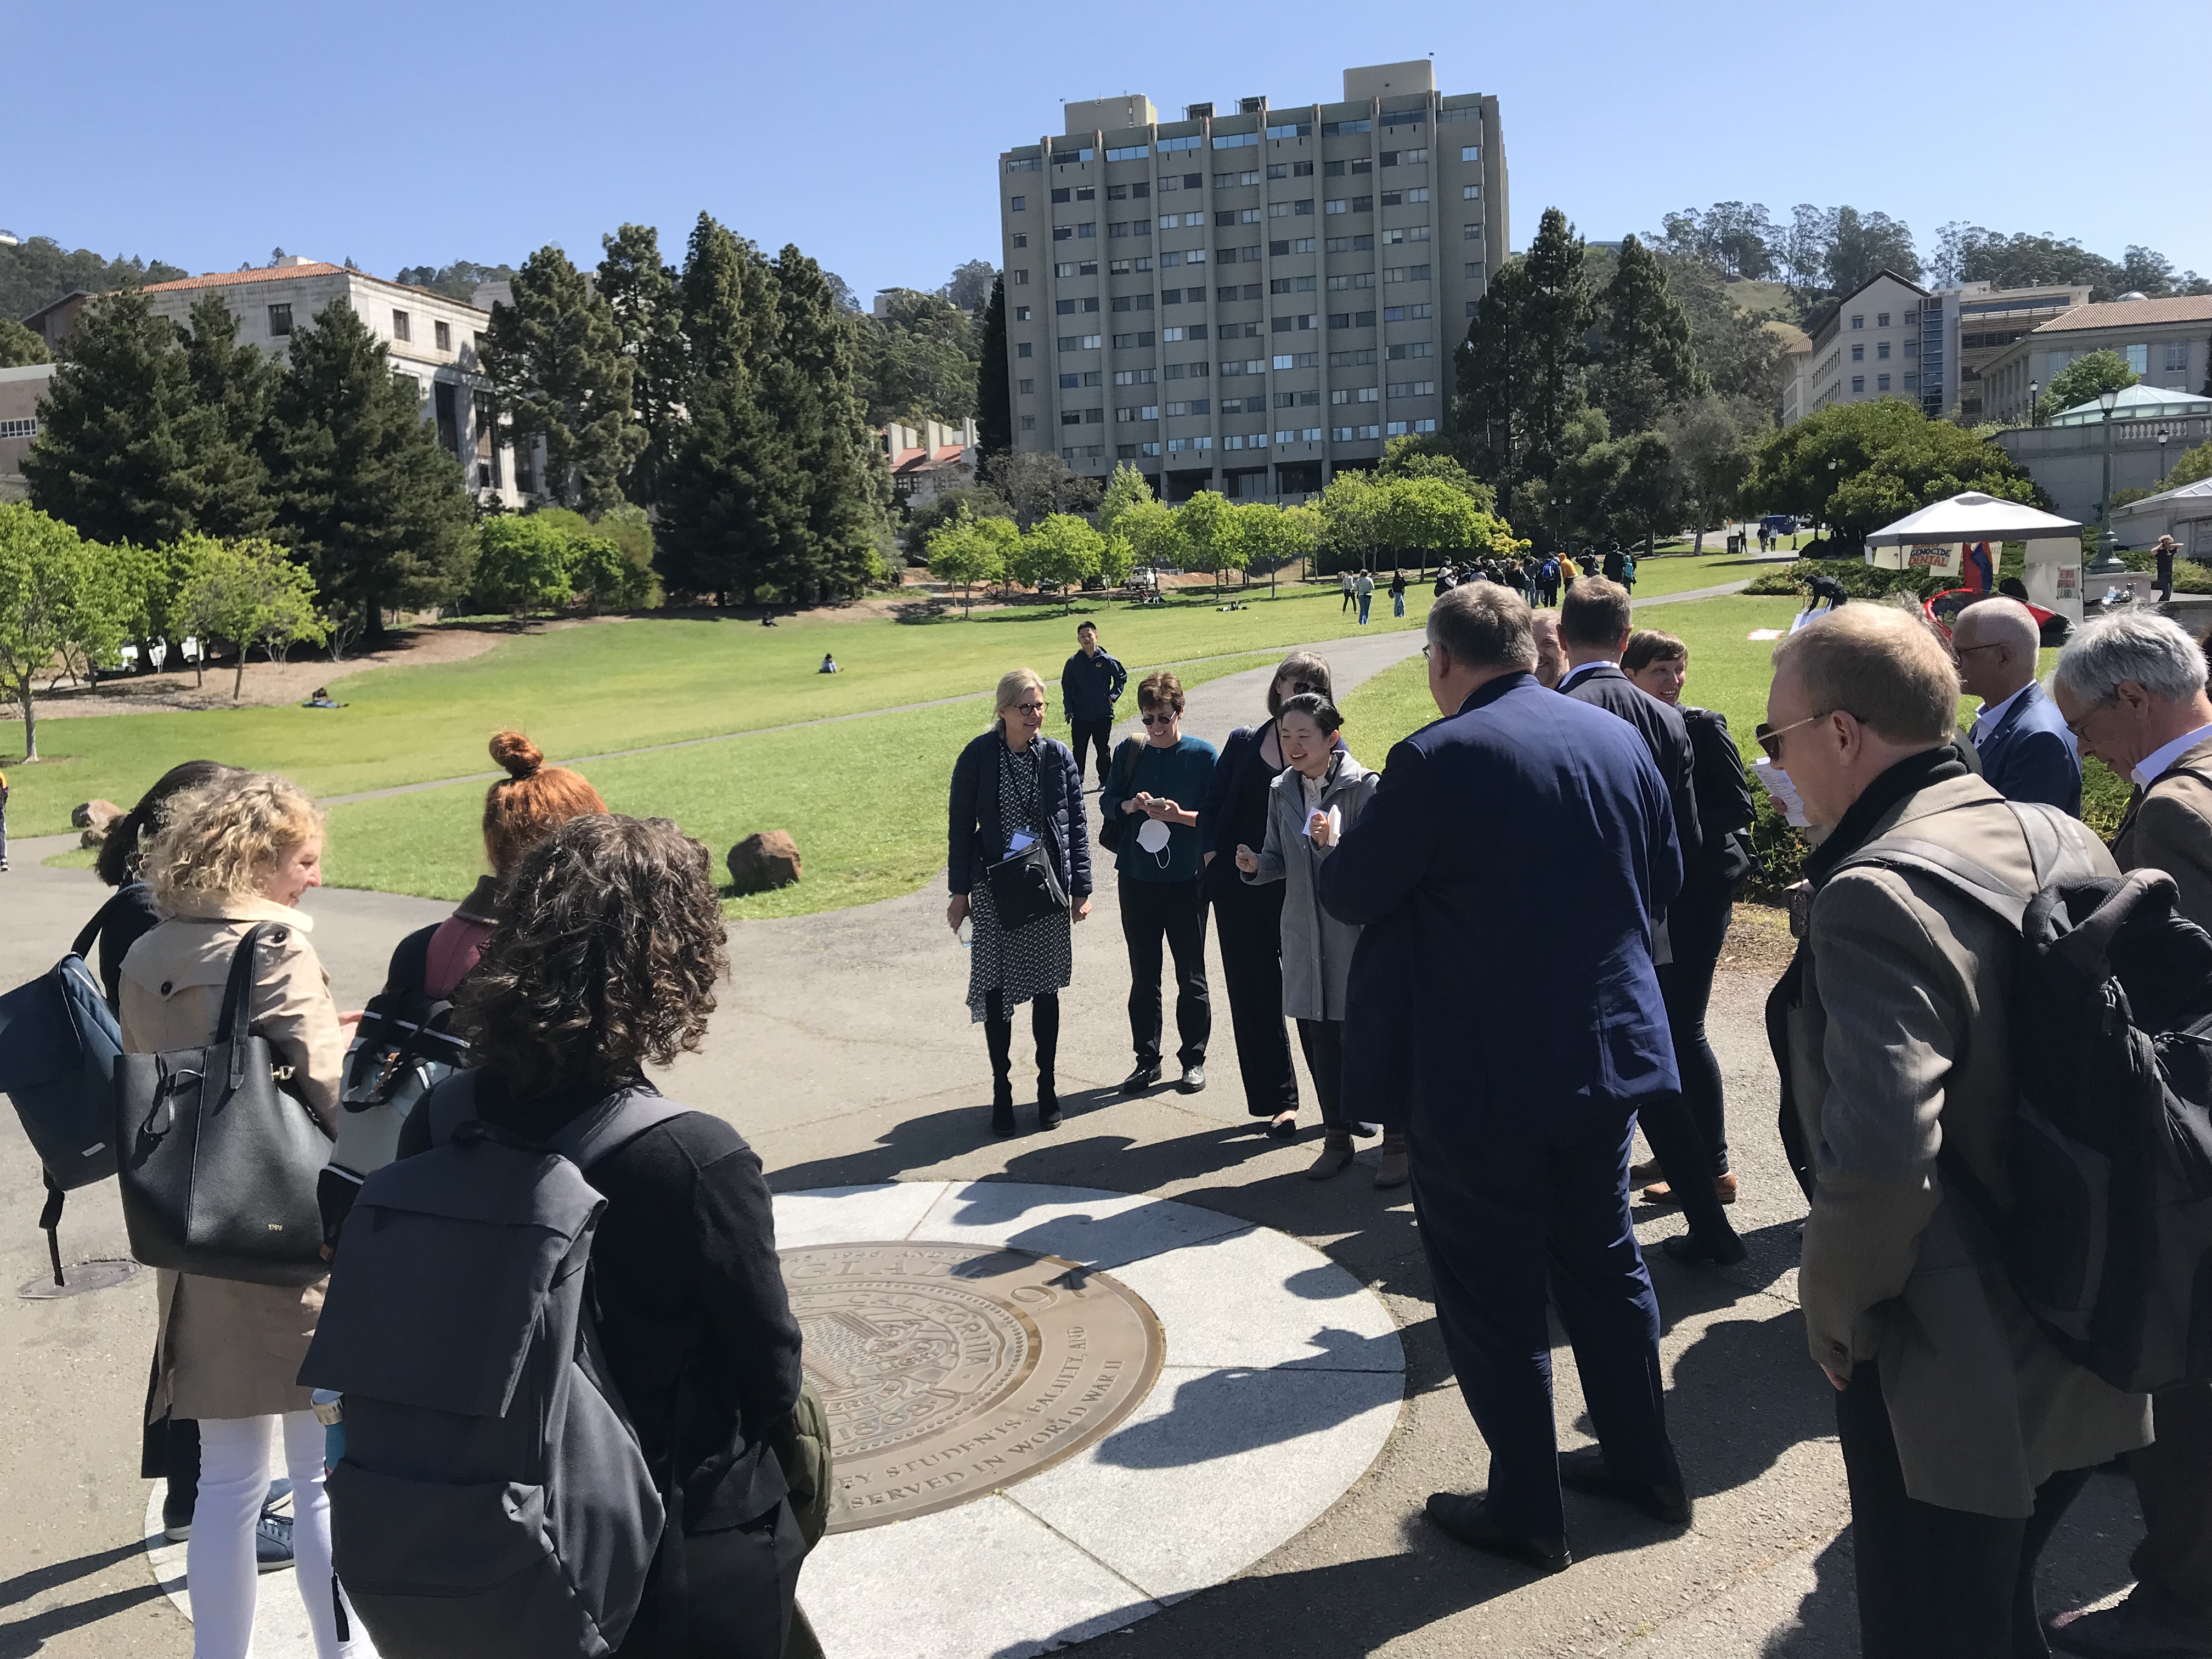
(864, 801)
(627, 685)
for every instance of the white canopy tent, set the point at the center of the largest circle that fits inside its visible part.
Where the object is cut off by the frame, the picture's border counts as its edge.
(1936, 537)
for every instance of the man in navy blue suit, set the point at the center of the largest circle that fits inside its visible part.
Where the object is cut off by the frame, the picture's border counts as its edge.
(2025, 751)
(1511, 1029)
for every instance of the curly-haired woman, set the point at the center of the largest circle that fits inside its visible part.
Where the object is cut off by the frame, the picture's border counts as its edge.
(1013, 786)
(609, 943)
(239, 851)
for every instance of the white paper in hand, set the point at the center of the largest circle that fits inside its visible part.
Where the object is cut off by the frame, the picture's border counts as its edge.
(1776, 781)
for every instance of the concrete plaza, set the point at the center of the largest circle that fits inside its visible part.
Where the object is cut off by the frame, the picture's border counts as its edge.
(843, 1051)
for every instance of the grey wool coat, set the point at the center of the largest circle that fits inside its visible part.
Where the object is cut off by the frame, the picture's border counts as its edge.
(1898, 1047)
(1316, 946)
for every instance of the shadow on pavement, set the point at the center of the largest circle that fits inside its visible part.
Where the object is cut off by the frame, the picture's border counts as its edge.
(22, 1637)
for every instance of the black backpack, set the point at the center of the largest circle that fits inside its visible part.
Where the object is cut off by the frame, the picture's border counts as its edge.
(2108, 1239)
(58, 1043)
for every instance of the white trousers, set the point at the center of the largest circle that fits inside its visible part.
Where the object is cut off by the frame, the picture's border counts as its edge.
(219, 1567)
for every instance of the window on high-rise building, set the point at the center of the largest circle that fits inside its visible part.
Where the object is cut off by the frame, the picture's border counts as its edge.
(1026, 386)
(1882, 320)
(1881, 382)
(1022, 346)
(1858, 383)
(1858, 354)
(1881, 349)
(1018, 205)
(1021, 313)
(1020, 274)
(1086, 193)
(1470, 152)
(2138, 358)
(2176, 357)
(441, 335)
(1062, 195)
(1858, 322)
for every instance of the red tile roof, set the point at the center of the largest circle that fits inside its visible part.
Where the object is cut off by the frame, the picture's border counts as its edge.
(2132, 313)
(271, 274)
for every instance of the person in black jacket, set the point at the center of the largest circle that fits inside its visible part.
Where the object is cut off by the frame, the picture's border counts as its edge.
(1594, 627)
(567, 1007)
(1248, 919)
(1090, 683)
(1011, 787)
(170, 1447)
(1698, 920)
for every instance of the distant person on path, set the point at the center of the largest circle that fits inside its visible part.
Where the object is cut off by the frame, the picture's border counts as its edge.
(1362, 588)
(2132, 686)
(2162, 556)
(1965, 1432)
(1397, 593)
(1658, 664)
(1012, 787)
(1628, 571)
(3, 820)
(694, 1326)
(1161, 892)
(238, 851)
(1344, 580)
(1594, 625)
(1611, 569)
(1090, 683)
(1311, 803)
(1512, 1029)
(2025, 751)
(1248, 920)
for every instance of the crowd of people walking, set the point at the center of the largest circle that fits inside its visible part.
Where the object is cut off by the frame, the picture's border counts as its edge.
(1505, 1036)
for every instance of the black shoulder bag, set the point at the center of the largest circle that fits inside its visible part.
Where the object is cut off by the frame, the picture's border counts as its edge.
(1025, 888)
(1118, 779)
(216, 1161)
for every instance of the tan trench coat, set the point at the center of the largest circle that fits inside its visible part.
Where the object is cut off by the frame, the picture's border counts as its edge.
(1898, 1047)
(2169, 827)
(227, 1349)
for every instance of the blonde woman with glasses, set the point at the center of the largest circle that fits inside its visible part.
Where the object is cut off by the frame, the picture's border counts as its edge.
(1013, 787)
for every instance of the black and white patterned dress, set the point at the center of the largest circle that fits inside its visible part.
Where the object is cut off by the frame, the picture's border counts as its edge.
(1038, 960)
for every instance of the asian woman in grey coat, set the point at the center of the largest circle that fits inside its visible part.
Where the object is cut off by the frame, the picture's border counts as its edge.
(1318, 798)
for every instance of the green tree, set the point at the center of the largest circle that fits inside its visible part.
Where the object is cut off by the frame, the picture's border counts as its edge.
(1125, 488)
(19, 346)
(116, 456)
(995, 392)
(962, 552)
(918, 360)
(250, 592)
(1713, 442)
(558, 371)
(523, 564)
(641, 294)
(1412, 458)
(1648, 497)
(1061, 549)
(1353, 518)
(1862, 245)
(233, 387)
(1212, 536)
(1275, 536)
(1560, 310)
(57, 604)
(980, 498)
(1648, 364)
(605, 576)
(1521, 375)
(38, 270)
(1493, 378)
(2190, 465)
(367, 497)
(1035, 485)
(2082, 380)
(1890, 459)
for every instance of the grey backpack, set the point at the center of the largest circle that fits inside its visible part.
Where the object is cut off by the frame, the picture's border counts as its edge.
(493, 1502)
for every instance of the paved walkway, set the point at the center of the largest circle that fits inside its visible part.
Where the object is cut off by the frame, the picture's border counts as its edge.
(843, 1050)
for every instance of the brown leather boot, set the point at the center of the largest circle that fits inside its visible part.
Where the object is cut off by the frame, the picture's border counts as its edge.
(1335, 1156)
(1392, 1168)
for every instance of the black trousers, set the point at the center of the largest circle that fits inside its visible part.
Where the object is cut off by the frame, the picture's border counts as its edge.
(1174, 911)
(1249, 922)
(1938, 1583)
(2174, 1478)
(1098, 732)
(1687, 987)
(1323, 1042)
(1505, 1220)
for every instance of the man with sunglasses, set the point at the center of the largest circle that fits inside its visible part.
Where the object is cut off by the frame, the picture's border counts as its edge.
(1965, 1432)
(2020, 735)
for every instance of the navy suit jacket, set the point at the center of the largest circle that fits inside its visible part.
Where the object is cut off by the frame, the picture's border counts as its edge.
(1487, 998)
(2029, 755)
(1603, 685)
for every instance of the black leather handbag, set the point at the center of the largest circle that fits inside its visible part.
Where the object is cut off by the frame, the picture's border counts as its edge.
(1025, 887)
(217, 1160)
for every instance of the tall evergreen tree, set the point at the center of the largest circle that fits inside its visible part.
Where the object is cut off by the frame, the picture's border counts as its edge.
(810, 391)
(1559, 312)
(1647, 362)
(19, 346)
(1495, 378)
(728, 498)
(556, 361)
(641, 295)
(233, 386)
(114, 458)
(367, 496)
(995, 399)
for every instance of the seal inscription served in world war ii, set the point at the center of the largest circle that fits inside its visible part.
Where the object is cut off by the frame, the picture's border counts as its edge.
(949, 1371)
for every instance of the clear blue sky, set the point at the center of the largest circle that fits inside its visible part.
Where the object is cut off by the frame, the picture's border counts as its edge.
(403, 133)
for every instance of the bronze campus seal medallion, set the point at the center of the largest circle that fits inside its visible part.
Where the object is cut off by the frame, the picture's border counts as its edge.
(949, 1371)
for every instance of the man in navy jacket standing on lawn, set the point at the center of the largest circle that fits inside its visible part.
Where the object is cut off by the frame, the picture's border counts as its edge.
(1090, 683)
(1511, 1027)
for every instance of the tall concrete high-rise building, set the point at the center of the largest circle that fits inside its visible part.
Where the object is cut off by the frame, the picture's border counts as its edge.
(1249, 300)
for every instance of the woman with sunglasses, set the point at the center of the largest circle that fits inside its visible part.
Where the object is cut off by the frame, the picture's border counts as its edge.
(1012, 787)
(1697, 926)
(1250, 919)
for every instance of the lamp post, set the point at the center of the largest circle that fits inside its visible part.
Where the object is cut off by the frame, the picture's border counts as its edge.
(2107, 563)
(2033, 418)
(2162, 437)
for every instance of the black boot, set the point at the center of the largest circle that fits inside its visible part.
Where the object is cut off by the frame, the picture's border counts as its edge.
(999, 1036)
(1044, 1026)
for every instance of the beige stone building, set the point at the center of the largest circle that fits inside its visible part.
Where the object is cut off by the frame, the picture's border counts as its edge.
(1256, 295)
(1870, 348)
(21, 390)
(432, 340)
(2165, 341)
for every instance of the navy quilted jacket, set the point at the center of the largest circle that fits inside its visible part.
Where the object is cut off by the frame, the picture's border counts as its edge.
(977, 839)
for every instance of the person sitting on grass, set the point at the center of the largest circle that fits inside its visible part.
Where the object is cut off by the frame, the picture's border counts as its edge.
(828, 664)
(321, 700)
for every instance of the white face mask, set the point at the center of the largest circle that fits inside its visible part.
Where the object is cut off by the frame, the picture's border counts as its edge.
(1152, 837)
